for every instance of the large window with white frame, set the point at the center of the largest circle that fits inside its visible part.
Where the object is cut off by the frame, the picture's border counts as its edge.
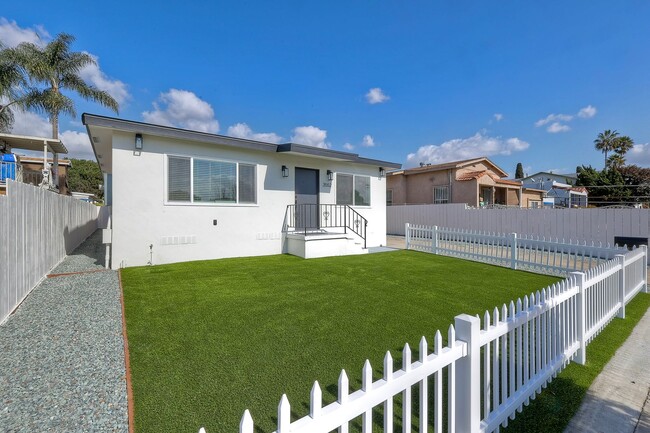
(352, 189)
(441, 194)
(196, 180)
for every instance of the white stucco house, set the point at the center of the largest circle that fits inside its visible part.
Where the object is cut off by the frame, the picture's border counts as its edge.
(178, 195)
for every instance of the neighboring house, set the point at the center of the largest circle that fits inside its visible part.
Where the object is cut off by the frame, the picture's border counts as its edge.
(30, 169)
(476, 182)
(179, 195)
(559, 189)
(33, 172)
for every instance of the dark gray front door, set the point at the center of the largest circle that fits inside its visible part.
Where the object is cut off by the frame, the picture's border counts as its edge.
(306, 198)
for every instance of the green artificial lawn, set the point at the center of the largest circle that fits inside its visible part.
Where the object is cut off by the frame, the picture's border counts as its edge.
(210, 339)
(557, 404)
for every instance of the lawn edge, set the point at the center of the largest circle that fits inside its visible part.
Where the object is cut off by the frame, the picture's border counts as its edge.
(127, 361)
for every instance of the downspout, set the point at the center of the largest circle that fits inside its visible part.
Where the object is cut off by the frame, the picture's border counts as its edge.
(450, 198)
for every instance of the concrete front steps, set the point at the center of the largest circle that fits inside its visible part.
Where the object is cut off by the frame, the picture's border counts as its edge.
(323, 244)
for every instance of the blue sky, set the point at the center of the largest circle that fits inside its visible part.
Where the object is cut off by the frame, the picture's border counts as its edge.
(409, 82)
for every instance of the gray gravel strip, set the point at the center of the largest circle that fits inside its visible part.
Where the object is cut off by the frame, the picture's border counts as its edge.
(88, 256)
(62, 355)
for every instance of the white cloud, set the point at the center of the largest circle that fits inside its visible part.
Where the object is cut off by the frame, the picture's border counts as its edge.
(310, 136)
(28, 123)
(466, 148)
(116, 88)
(348, 146)
(78, 144)
(11, 34)
(183, 109)
(557, 122)
(498, 117)
(556, 127)
(242, 130)
(554, 118)
(639, 155)
(587, 112)
(376, 96)
(368, 141)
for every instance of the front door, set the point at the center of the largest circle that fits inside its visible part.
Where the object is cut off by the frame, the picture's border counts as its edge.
(306, 198)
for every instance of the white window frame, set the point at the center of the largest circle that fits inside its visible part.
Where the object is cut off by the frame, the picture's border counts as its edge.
(436, 190)
(236, 203)
(354, 185)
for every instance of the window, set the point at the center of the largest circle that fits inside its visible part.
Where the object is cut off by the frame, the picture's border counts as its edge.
(193, 180)
(441, 194)
(352, 190)
(389, 197)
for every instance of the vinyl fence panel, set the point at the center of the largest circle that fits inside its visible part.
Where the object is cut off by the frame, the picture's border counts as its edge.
(37, 229)
(597, 225)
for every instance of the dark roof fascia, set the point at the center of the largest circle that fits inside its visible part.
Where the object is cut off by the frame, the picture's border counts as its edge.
(204, 137)
(334, 154)
(171, 132)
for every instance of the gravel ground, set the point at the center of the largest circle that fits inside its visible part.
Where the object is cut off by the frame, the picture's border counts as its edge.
(88, 256)
(62, 353)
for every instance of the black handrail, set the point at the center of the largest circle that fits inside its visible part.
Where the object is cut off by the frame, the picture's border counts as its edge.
(309, 217)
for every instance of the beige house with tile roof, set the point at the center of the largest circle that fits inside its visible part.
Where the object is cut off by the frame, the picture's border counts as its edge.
(476, 182)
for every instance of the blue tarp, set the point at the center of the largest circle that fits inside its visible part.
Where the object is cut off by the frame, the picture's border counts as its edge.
(8, 166)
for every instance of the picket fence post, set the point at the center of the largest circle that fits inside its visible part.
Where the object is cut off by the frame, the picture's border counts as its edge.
(621, 285)
(513, 250)
(645, 268)
(407, 236)
(581, 356)
(434, 240)
(468, 375)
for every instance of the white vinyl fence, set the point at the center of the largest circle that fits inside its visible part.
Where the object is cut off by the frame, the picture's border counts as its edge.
(530, 253)
(493, 367)
(590, 225)
(37, 229)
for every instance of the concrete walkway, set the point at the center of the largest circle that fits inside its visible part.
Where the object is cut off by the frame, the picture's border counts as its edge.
(62, 352)
(618, 400)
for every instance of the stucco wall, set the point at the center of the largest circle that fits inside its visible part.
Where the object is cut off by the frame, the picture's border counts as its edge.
(464, 192)
(142, 218)
(530, 196)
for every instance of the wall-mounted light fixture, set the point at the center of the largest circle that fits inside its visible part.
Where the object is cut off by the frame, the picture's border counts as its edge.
(382, 172)
(138, 141)
(285, 171)
(330, 175)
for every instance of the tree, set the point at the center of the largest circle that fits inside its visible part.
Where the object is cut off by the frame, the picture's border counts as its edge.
(623, 145)
(606, 142)
(14, 90)
(56, 67)
(615, 161)
(85, 176)
(519, 171)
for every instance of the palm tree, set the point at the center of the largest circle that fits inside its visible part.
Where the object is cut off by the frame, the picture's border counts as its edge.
(623, 145)
(58, 69)
(606, 141)
(14, 90)
(616, 161)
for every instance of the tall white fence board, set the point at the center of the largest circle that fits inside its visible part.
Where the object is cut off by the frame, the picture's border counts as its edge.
(37, 229)
(598, 225)
(495, 364)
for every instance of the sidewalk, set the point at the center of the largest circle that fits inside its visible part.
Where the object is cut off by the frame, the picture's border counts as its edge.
(618, 400)
(62, 363)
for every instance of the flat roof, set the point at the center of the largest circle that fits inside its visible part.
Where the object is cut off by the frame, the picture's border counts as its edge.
(26, 142)
(93, 121)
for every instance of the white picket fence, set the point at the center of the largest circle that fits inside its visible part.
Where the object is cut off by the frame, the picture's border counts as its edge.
(37, 229)
(530, 253)
(493, 369)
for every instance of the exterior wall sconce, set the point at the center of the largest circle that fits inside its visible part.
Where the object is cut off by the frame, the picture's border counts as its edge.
(330, 175)
(382, 172)
(138, 141)
(285, 171)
